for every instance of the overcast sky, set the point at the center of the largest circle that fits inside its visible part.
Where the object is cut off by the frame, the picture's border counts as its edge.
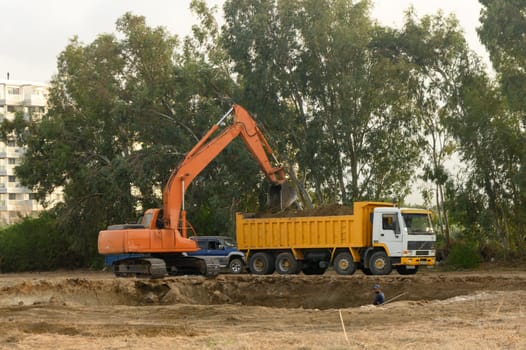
(34, 32)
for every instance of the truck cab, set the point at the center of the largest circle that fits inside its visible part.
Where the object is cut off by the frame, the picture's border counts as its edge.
(407, 237)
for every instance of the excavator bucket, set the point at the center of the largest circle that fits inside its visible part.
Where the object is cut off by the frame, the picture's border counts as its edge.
(280, 197)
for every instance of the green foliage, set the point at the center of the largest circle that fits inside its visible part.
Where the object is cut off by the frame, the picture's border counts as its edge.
(122, 114)
(336, 77)
(502, 31)
(504, 34)
(36, 244)
(463, 255)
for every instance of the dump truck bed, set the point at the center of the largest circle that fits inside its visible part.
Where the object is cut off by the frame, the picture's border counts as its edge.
(307, 232)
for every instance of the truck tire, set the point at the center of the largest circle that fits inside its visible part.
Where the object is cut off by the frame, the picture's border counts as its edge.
(344, 264)
(286, 264)
(236, 265)
(261, 264)
(403, 270)
(379, 263)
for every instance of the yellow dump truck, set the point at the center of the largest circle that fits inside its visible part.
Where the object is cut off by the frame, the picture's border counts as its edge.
(376, 238)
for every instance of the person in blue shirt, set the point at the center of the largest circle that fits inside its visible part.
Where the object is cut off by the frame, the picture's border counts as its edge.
(379, 297)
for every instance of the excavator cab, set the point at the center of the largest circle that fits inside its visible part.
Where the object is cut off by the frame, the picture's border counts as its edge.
(280, 197)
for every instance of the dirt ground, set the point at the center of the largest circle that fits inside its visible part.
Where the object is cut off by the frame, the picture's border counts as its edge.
(433, 309)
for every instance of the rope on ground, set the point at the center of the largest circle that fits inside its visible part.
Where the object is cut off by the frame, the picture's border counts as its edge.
(394, 298)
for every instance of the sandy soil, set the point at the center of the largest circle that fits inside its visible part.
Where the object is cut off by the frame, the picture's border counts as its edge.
(431, 310)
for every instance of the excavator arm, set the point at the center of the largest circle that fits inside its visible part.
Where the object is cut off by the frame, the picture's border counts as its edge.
(206, 150)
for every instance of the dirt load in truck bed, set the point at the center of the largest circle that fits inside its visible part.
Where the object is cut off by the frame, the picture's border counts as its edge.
(328, 210)
(434, 309)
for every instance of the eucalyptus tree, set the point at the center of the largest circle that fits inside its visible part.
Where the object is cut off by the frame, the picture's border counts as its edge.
(490, 130)
(335, 92)
(490, 139)
(436, 47)
(503, 33)
(123, 111)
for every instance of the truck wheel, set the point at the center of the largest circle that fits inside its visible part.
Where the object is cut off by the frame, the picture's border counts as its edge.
(261, 264)
(286, 264)
(379, 264)
(403, 270)
(344, 264)
(236, 265)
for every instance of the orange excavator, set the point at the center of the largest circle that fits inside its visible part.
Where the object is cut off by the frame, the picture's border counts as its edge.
(156, 246)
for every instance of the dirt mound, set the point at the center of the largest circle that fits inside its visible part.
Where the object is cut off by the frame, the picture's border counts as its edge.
(289, 291)
(432, 310)
(329, 210)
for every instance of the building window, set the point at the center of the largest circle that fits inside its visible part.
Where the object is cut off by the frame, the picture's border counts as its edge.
(36, 109)
(14, 109)
(11, 143)
(11, 178)
(11, 161)
(12, 196)
(13, 91)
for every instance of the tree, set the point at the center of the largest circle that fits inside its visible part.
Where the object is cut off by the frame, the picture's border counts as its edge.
(490, 131)
(490, 138)
(122, 114)
(503, 33)
(330, 71)
(439, 53)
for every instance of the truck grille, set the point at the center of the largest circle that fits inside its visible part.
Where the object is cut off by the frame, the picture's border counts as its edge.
(417, 245)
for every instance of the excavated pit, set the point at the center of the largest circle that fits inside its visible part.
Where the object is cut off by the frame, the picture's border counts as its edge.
(307, 292)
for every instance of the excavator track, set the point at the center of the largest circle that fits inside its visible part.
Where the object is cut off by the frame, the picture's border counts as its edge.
(140, 267)
(187, 265)
(159, 267)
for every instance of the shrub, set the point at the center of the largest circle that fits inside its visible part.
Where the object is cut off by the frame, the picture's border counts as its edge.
(34, 244)
(463, 255)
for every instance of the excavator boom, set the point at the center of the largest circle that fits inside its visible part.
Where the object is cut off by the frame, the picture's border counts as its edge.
(206, 150)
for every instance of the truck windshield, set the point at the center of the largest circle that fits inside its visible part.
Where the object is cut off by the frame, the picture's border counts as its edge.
(418, 224)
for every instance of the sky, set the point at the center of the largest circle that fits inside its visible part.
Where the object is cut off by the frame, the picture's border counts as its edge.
(34, 32)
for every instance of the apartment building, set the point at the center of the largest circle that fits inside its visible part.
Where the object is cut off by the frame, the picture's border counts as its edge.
(29, 98)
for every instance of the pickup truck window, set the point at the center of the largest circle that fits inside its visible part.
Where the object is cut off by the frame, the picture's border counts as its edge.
(227, 242)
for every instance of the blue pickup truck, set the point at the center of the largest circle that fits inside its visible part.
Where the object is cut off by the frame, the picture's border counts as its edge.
(220, 250)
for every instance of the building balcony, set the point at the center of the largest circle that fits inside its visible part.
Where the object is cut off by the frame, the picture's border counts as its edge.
(35, 100)
(17, 188)
(15, 152)
(12, 100)
(20, 205)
